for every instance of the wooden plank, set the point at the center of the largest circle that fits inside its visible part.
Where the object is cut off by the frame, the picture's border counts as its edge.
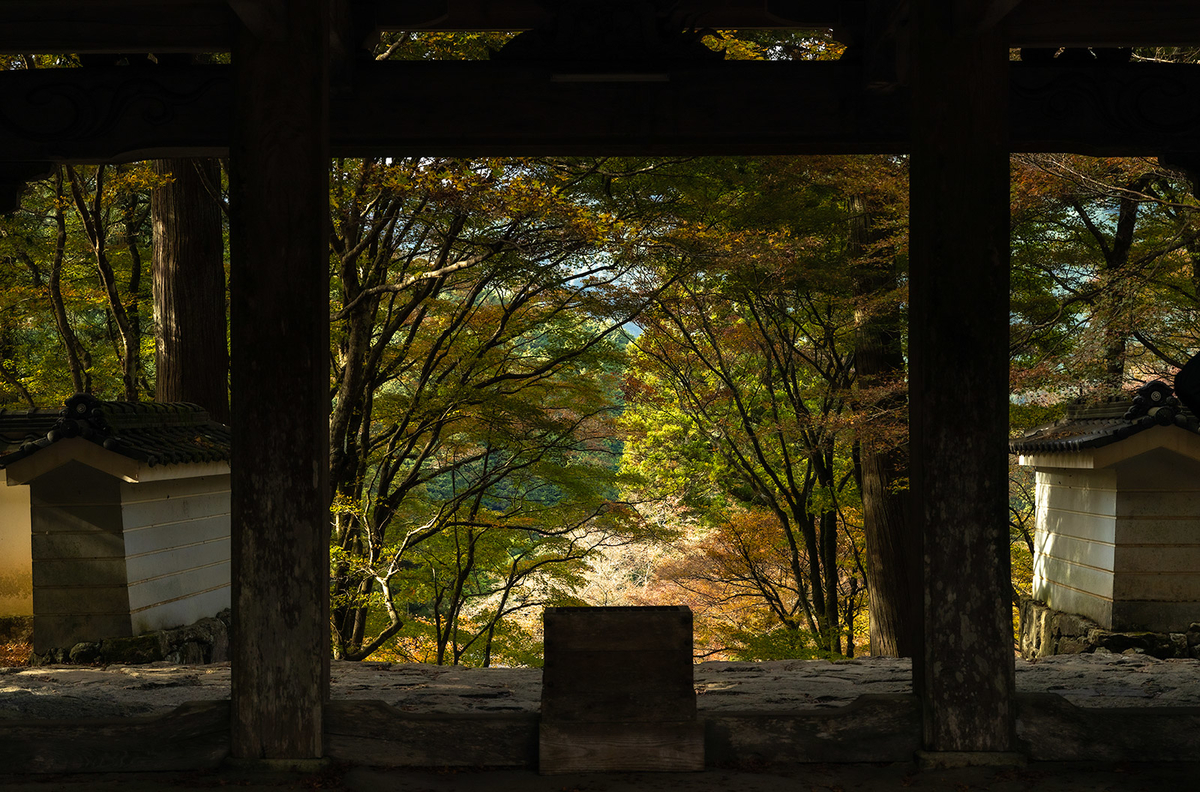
(72, 483)
(1096, 582)
(665, 746)
(872, 728)
(958, 376)
(1129, 109)
(1099, 528)
(137, 492)
(207, 25)
(151, 538)
(619, 664)
(160, 26)
(1070, 550)
(171, 510)
(78, 572)
(102, 115)
(589, 686)
(76, 544)
(1166, 558)
(163, 26)
(1158, 586)
(1050, 728)
(80, 600)
(194, 736)
(376, 733)
(62, 631)
(524, 14)
(1184, 505)
(279, 294)
(1102, 23)
(1092, 527)
(181, 584)
(635, 629)
(646, 108)
(1156, 530)
(1136, 616)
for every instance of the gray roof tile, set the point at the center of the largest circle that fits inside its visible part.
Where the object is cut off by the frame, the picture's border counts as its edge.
(150, 432)
(1096, 425)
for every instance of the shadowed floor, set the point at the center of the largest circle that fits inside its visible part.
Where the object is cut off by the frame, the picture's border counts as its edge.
(1049, 777)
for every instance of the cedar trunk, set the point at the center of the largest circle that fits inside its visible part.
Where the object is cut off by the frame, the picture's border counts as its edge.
(892, 550)
(191, 356)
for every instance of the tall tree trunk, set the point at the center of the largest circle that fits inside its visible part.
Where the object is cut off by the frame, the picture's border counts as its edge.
(78, 359)
(191, 355)
(1115, 275)
(94, 217)
(893, 599)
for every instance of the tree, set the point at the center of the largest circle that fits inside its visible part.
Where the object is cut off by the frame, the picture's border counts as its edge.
(1104, 270)
(478, 304)
(73, 256)
(752, 361)
(191, 359)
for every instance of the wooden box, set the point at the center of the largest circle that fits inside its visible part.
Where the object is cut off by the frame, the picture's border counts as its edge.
(617, 691)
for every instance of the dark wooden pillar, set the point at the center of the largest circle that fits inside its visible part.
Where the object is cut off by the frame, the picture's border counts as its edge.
(959, 376)
(279, 193)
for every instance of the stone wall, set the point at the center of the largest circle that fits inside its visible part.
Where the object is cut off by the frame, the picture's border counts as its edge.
(1046, 632)
(206, 641)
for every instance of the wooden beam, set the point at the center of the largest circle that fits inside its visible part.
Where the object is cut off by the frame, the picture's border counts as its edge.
(193, 736)
(122, 114)
(958, 375)
(569, 108)
(46, 26)
(1103, 23)
(279, 334)
(450, 15)
(71, 26)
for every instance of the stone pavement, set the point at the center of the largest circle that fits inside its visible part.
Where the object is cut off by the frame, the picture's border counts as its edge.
(1096, 680)
(1086, 680)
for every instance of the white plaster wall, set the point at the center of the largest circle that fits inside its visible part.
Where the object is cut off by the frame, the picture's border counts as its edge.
(79, 584)
(1075, 541)
(176, 535)
(1157, 563)
(16, 559)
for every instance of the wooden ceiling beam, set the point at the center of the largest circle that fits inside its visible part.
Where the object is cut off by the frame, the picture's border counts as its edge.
(122, 113)
(1103, 23)
(449, 15)
(116, 26)
(49, 26)
(73, 26)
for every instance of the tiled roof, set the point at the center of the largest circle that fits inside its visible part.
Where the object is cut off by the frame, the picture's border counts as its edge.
(1097, 425)
(150, 432)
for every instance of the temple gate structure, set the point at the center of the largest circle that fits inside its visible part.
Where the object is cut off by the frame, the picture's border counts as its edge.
(931, 79)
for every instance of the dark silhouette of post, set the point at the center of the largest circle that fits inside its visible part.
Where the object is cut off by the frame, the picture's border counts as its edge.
(279, 192)
(958, 346)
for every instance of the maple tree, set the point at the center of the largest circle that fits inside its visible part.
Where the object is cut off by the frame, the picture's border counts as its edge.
(743, 391)
(478, 308)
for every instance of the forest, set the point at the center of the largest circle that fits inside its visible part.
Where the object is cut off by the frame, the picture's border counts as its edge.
(606, 381)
